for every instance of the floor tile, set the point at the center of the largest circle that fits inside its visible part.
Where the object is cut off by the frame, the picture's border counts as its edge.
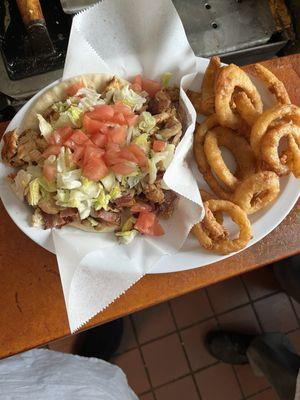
(242, 320)
(132, 365)
(250, 383)
(146, 396)
(294, 338)
(153, 322)
(218, 382)
(193, 340)
(182, 389)
(268, 394)
(260, 282)
(191, 308)
(165, 359)
(276, 313)
(66, 345)
(128, 341)
(227, 294)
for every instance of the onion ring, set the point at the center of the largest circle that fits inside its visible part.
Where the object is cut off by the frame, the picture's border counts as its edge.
(224, 245)
(288, 112)
(204, 168)
(207, 196)
(293, 155)
(230, 78)
(274, 85)
(239, 148)
(208, 86)
(269, 148)
(245, 108)
(257, 191)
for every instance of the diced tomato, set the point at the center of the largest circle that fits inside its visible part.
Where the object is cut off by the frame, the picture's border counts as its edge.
(108, 216)
(123, 168)
(123, 108)
(99, 139)
(117, 134)
(59, 135)
(150, 86)
(119, 119)
(52, 150)
(49, 172)
(112, 157)
(92, 126)
(95, 169)
(131, 120)
(73, 89)
(77, 138)
(64, 132)
(92, 152)
(139, 154)
(128, 155)
(112, 147)
(148, 224)
(139, 207)
(78, 155)
(137, 83)
(102, 112)
(159, 145)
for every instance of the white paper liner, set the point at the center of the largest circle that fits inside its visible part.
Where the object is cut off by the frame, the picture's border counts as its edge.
(126, 37)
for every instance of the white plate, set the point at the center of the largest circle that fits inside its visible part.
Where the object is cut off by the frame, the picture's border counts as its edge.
(191, 255)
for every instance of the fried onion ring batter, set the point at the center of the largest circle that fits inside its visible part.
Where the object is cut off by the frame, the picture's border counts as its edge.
(245, 108)
(229, 79)
(274, 85)
(270, 145)
(257, 191)
(239, 148)
(225, 245)
(204, 168)
(287, 112)
(207, 105)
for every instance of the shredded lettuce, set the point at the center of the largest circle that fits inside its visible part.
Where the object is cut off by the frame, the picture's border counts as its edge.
(64, 160)
(129, 97)
(69, 179)
(75, 114)
(62, 197)
(60, 106)
(37, 219)
(143, 142)
(108, 181)
(165, 157)
(47, 186)
(90, 188)
(33, 195)
(146, 122)
(44, 126)
(165, 79)
(21, 183)
(126, 237)
(92, 221)
(128, 224)
(115, 191)
(91, 98)
(102, 201)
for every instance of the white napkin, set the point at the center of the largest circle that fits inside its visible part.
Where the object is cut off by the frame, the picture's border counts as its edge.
(127, 37)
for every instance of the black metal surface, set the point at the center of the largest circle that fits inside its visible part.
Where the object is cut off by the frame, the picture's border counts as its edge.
(19, 59)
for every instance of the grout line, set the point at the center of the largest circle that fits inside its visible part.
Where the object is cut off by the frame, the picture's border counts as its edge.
(259, 392)
(219, 326)
(184, 351)
(293, 308)
(142, 356)
(252, 306)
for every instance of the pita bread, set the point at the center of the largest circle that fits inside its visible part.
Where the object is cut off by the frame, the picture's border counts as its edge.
(58, 93)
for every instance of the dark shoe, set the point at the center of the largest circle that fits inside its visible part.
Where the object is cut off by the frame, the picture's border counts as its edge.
(229, 347)
(102, 341)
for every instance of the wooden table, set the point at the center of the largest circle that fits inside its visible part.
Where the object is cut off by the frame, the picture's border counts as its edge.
(32, 309)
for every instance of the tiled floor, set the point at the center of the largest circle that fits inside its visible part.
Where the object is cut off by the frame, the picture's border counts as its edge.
(163, 352)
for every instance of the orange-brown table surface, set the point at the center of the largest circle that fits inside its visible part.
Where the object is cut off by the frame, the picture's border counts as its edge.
(32, 309)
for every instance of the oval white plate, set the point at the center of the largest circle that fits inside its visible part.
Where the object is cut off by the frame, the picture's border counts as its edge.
(191, 255)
